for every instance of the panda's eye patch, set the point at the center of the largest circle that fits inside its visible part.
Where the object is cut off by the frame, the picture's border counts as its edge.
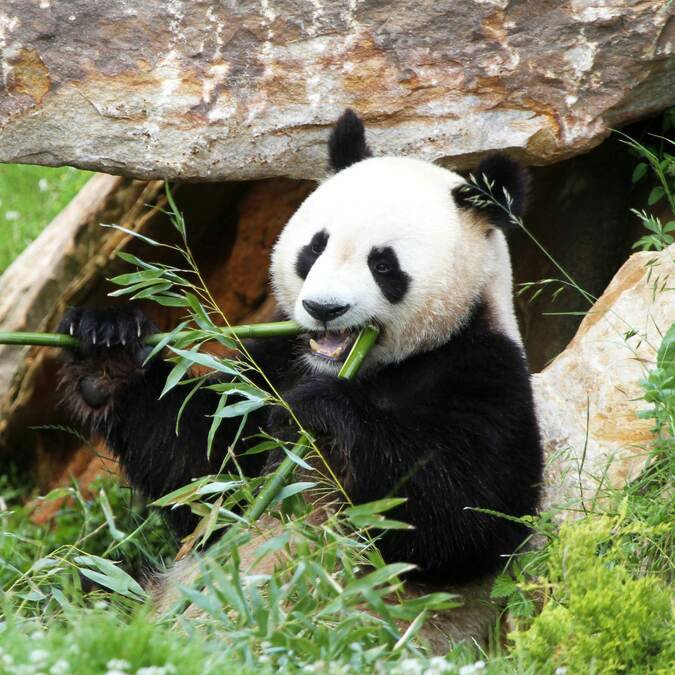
(387, 272)
(309, 254)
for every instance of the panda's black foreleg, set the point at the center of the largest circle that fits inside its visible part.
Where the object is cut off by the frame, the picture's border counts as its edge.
(378, 454)
(118, 397)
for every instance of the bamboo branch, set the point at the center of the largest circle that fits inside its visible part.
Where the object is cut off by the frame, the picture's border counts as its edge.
(258, 330)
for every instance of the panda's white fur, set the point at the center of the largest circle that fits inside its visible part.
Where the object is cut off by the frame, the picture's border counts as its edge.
(453, 256)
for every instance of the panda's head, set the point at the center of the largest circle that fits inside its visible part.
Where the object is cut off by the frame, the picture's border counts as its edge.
(395, 241)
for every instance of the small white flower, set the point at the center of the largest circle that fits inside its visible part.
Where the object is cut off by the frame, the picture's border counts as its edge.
(37, 635)
(7, 659)
(118, 664)
(38, 656)
(101, 604)
(61, 667)
(410, 667)
(561, 671)
(23, 670)
(116, 672)
(438, 665)
(12, 215)
(472, 668)
(43, 185)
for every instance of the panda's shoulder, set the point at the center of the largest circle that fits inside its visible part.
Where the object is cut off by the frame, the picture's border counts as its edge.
(479, 362)
(484, 355)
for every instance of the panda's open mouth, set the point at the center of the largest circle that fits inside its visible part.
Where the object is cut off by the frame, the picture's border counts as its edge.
(333, 345)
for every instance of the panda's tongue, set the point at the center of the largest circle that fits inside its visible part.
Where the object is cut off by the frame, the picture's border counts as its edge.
(331, 345)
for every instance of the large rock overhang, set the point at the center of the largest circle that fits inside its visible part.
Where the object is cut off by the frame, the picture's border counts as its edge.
(247, 90)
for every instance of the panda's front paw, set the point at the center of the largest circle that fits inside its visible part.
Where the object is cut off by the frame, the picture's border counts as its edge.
(327, 406)
(104, 332)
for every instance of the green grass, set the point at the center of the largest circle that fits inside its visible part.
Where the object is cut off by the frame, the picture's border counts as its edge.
(30, 196)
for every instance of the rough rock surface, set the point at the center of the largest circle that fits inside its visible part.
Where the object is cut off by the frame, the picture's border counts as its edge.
(212, 90)
(589, 397)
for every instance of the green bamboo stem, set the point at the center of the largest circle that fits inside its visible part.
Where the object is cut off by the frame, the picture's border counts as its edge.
(364, 343)
(257, 330)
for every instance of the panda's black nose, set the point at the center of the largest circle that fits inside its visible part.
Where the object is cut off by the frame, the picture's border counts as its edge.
(324, 311)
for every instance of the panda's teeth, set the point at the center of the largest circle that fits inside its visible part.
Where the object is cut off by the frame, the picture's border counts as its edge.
(330, 345)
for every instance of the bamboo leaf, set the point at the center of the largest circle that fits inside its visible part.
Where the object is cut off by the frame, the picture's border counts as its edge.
(132, 233)
(185, 402)
(240, 408)
(298, 460)
(175, 376)
(248, 391)
(379, 506)
(107, 574)
(655, 195)
(639, 172)
(411, 631)
(215, 424)
(206, 360)
(219, 486)
(177, 220)
(264, 446)
(165, 341)
(182, 495)
(170, 300)
(136, 277)
(133, 260)
(293, 489)
(127, 290)
(200, 316)
(150, 291)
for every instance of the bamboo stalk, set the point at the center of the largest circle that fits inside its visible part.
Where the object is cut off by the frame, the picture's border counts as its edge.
(364, 343)
(257, 330)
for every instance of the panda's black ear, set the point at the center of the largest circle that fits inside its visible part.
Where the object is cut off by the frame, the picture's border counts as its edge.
(499, 179)
(347, 143)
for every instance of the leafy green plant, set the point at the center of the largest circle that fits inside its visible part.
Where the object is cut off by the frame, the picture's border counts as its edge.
(598, 616)
(113, 526)
(659, 163)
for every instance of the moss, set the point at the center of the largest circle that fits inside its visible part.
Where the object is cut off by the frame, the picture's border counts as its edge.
(599, 617)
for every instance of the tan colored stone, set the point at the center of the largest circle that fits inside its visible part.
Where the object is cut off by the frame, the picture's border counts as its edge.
(214, 90)
(589, 397)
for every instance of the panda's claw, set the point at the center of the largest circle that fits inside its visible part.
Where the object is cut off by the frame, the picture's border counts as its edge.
(108, 332)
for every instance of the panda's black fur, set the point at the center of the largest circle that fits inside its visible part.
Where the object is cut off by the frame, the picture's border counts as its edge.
(452, 429)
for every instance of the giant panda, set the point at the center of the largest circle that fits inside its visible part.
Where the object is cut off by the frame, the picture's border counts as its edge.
(442, 413)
